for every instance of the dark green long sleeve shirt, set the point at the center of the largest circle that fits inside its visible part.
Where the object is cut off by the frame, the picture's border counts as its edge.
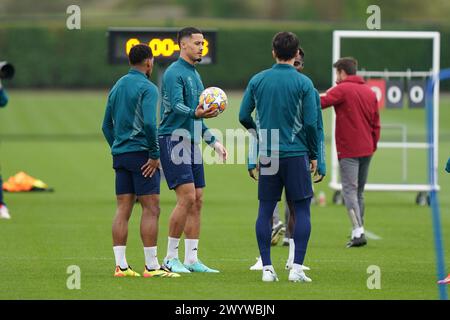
(129, 124)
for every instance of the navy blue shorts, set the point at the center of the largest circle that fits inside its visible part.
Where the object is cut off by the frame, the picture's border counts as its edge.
(182, 162)
(293, 174)
(129, 178)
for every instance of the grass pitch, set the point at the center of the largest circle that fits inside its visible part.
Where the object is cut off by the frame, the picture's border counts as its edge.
(56, 136)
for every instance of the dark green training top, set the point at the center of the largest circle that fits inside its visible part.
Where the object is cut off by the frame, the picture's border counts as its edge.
(3, 98)
(285, 103)
(130, 117)
(181, 89)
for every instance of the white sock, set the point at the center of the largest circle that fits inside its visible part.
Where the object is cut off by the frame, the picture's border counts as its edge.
(151, 258)
(119, 254)
(297, 267)
(190, 249)
(291, 249)
(356, 233)
(172, 248)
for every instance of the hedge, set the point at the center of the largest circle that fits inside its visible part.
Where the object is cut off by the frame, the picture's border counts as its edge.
(59, 58)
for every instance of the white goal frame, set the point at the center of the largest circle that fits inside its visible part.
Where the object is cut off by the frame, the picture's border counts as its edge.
(435, 36)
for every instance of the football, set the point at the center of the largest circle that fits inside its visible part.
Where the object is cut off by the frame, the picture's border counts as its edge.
(214, 98)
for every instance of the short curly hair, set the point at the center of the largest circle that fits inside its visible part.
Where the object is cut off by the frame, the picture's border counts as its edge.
(139, 53)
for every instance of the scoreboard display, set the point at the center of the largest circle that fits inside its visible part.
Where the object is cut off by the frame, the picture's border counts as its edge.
(163, 43)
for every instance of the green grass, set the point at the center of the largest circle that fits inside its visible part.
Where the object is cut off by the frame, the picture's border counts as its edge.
(55, 136)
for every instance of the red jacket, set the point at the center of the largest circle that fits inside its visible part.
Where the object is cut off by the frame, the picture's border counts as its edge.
(357, 117)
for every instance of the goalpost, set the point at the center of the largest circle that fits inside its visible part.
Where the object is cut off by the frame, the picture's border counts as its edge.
(338, 35)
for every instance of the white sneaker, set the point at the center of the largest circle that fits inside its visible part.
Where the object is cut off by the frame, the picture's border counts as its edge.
(298, 276)
(269, 276)
(258, 265)
(305, 267)
(289, 264)
(4, 213)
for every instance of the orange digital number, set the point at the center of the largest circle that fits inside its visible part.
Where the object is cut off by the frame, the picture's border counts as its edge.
(130, 44)
(162, 47)
(205, 48)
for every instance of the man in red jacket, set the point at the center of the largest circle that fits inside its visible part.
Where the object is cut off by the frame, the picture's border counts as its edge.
(357, 134)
